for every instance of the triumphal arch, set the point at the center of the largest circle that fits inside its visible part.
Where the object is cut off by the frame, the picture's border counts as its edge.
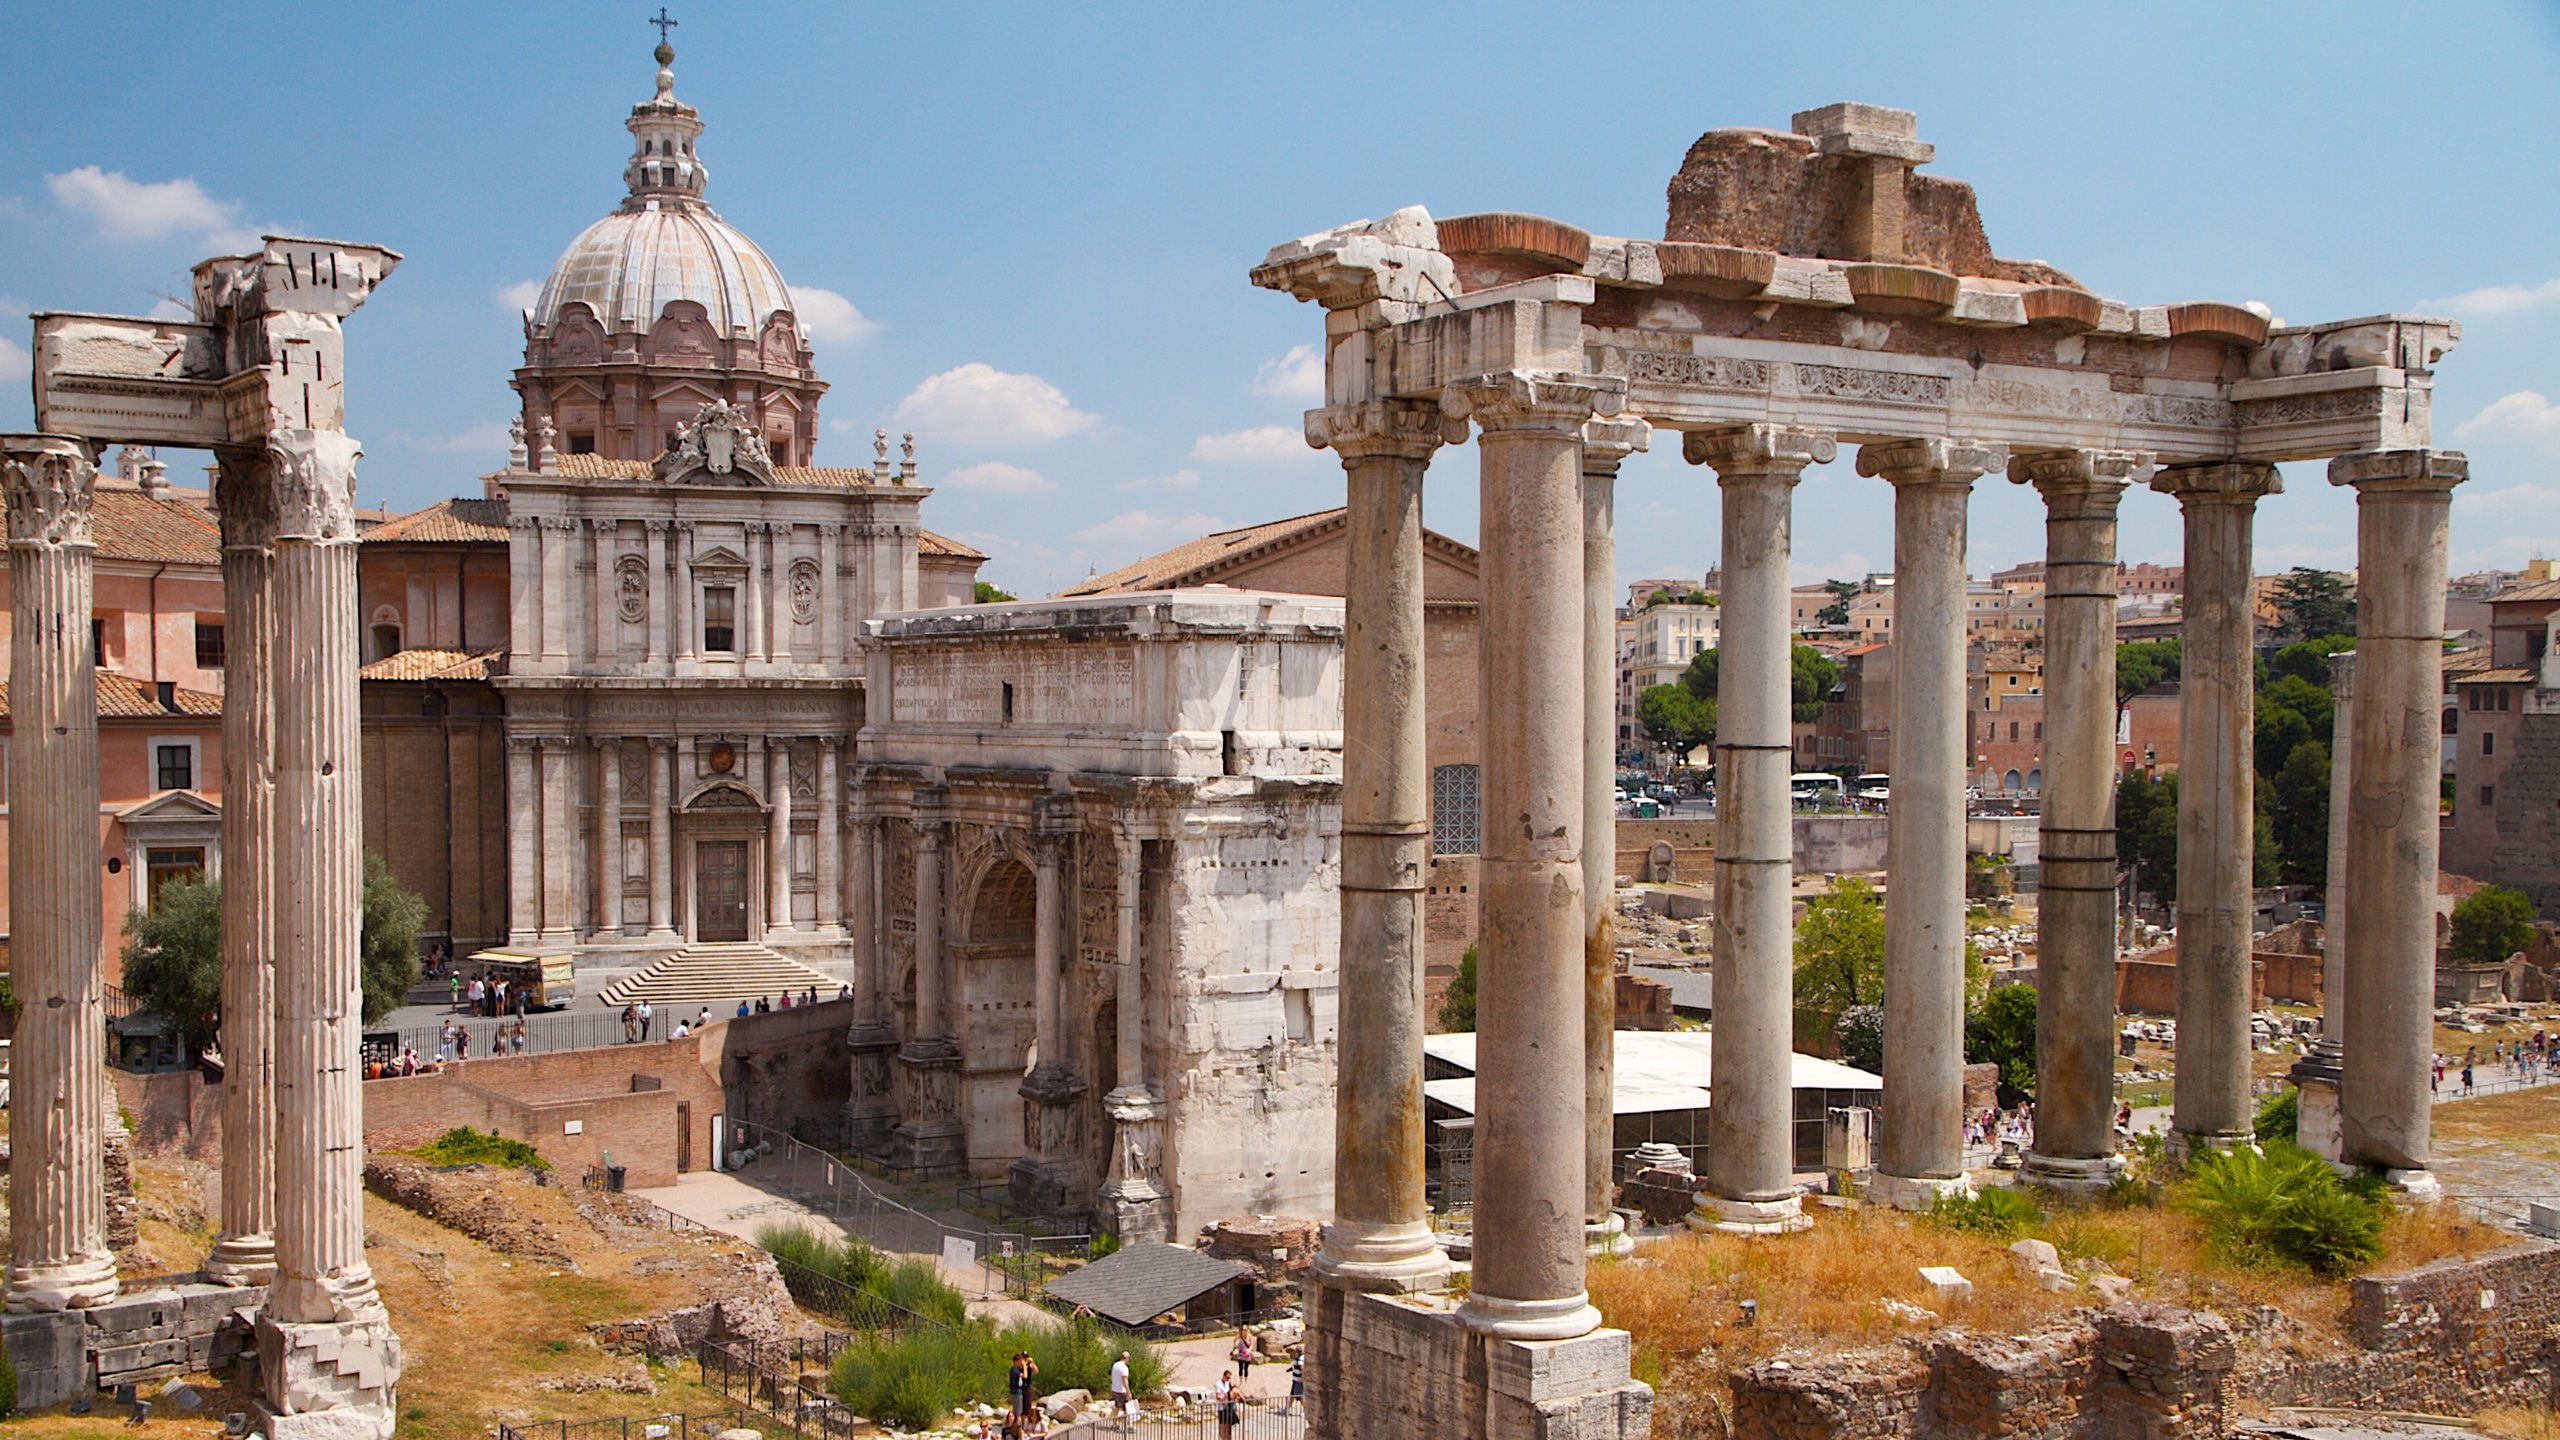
(1813, 292)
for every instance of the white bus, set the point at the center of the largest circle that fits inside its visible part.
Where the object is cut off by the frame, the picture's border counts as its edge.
(1813, 789)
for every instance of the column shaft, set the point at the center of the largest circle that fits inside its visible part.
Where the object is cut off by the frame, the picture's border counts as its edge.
(554, 537)
(830, 603)
(524, 841)
(1530, 1136)
(609, 870)
(864, 919)
(679, 581)
(603, 610)
(830, 838)
(1923, 1150)
(660, 608)
(1750, 1173)
(759, 585)
(1605, 445)
(777, 863)
(244, 1252)
(778, 602)
(661, 841)
(1048, 893)
(2217, 801)
(58, 1257)
(1380, 1235)
(559, 840)
(929, 1021)
(2403, 503)
(1130, 1041)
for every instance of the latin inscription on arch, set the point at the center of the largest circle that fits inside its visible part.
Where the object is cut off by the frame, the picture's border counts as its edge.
(1079, 686)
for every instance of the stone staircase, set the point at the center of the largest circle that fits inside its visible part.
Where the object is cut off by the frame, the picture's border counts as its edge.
(719, 976)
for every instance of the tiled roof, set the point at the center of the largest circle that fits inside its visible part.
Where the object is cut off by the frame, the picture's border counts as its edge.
(1138, 1282)
(2464, 662)
(1198, 562)
(434, 665)
(597, 467)
(121, 697)
(2511, 675)
(130, 525)
(446, 522)
(928, 543)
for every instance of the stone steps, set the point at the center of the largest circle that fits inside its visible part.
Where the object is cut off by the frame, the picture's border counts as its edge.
(709, 974)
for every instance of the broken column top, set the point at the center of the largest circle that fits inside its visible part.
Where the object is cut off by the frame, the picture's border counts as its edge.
(1850, 128)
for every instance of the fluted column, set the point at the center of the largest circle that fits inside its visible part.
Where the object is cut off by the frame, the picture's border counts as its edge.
(777, 845)
(2404, 499)
(1605, 445)
(244, 1253)
(554, 534)
(759, 587)
(2317, 1073)
(58, 1257)
(778, 600)
(661, 842)
(1530, 1136)
(2076, 894)
(680, 590)
(2217, 801)
(931, 1137)
(830, 918)
(1923, 1151)
(609, 836)
(830, 597)
(1380, 1235)
(1131, 1201)
(524, 840)
(659, 616)
(1750, 1183)
(603, 607)
(524, 587)
(559, 841)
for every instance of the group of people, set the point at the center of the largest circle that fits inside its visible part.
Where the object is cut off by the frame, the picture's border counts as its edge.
(1996, 1127)
(2526, 1061)
(453, 1042)
(1023, 1419)
(489, 996)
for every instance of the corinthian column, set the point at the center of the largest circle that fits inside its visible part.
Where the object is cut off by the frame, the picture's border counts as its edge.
(1605, 445)
(609, 870)
(245, 1251)
(2217, 801)
(830, 919)
(524, 841)
(1131, 1201)
(324, 1340)
(1530, 1136)
(1380, 1235)
(1750, 1181)
(1047, 1179)
(58, 1258)
(931, 1137)
(777, 845)
(1924, 906)
(662, 925)
(2076, 896)
(2403, 501)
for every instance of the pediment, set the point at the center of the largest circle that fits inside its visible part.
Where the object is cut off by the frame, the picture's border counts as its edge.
(719, 557)
(172, 805)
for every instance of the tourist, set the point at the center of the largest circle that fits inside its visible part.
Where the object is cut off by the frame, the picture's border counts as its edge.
(764, 1004)
(1123, 1403)
(786, 999)
(645, 1014)
(461, 1042)
(1229, 1415)
(455, 982)
(702, 1020)
(681, 1031)
(742, 1009)
(523, 1039)
(1243, 1353)
(1297, 1383)
(844, 992)
(630, 1025)
(444, 1041)
(1017, 1382)
(2466, 1075)
(409, 1060)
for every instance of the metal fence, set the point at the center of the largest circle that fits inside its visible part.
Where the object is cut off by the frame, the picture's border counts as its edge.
(1199, 1422)
(773, 1381)
(856, 1307)
(670, 1425)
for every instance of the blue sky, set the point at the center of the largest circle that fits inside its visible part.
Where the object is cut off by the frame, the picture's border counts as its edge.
(1032, 223)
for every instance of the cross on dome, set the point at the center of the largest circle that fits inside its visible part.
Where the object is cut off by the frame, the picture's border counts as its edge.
(663, 168)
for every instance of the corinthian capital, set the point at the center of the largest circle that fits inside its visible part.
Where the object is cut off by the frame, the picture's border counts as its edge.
(1933, 461)
(1396, 429)
(1521, 401)
(47, 481)
(243, 500)
(314, 478)
(2070, 479)
(1607, 442)
(2229, 482)
(2373, 470)
(1759, 449)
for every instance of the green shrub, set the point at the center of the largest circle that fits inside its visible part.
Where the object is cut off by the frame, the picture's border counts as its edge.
(2282, 1205)
(1998, 1211)
(2280, 1117)
(1101, 1245)
(914, 1380)
(463, 1145)
(8, 1383)
(1078, 1356)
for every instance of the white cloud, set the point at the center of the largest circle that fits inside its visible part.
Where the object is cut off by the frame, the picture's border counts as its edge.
(489, 437)
(1135, 530)
(1185, 478)
(977, 404)
(15, 362)
(997, 478)
(2525, 415)
(1298, 375)
(130, 209)
(1262, 442)
(830, 318)
(2526, 496)
(2495, 300)
(1847, 565)
(519, 297)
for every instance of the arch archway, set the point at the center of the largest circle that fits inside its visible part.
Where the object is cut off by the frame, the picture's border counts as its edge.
(997, 1021)
(721, 831)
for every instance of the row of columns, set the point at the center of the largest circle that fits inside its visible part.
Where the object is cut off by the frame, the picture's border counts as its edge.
(559, 616)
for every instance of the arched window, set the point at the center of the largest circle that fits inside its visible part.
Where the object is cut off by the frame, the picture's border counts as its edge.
(1455, 809)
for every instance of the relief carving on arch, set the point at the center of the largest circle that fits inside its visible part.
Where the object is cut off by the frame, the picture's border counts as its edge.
(804, 591)
(632, 583)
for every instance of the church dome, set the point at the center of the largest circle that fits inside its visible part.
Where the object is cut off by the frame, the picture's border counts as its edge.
(664, 244)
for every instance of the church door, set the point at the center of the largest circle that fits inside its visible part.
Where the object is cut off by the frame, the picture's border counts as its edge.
(720, 890)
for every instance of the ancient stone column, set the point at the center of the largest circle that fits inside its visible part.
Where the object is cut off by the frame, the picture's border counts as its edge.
(2076, 894)
(559, 841)
(2404, 499)
(1605, 445)
(662, 923)
(2217, 801)
(1923, 1151)
(1750, 1182)
(1045, 1180)
(680, 590)
(1132, 1202)
(1380, 1235)
(777, 845)
(524, 842)
(58, 1257)
(554, 534)
(244, 1252)
(324, 1341)
(1530, 1138)
(660, 611)
(608, 836)
(931, 1136)
(2317, 1073)
(830, 838)
(872, 1111)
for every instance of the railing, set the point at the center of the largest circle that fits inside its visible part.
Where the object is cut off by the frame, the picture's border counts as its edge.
(757, 1378)
(854, 1306)
(639, 1211)
(669, 1425)
(1260, 1421)
(2486, 1084)
(2514, 1212)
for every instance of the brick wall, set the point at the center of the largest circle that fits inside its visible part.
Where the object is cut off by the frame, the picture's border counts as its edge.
(621, 1100)
(2148, 983)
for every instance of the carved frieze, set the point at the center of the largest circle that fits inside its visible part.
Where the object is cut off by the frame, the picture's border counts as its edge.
(2359, 403)
(1890, 387)
(721, 443)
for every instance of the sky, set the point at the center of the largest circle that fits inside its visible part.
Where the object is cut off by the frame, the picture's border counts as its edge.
(1023, 231)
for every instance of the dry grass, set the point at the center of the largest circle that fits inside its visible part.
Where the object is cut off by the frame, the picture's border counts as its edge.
(2519, 1122)
(2519, 1422)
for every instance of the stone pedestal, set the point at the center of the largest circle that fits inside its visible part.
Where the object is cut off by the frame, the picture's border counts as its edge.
(1051, 1180)
(931, 1138)
(328, 1381)
(1132, 1204)
(871, 1116)
(1394, 1367)
(58, 1256)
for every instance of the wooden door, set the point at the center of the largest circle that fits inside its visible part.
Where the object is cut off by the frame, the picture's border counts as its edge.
(720, 890)
(684, 1136)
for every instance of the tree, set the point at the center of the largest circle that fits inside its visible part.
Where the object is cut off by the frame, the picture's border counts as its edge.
(2141, 664)
(2298, 810)
(986, 593)
(1458, 1002)
(2490, 924)
(2147, 829)
(1840, 949)
(1859, 1036)
(1700, 678)
(1810, 674)
(2003, 1032)
(2311, 602)
(2309, 659)
(2290, 710)
(1676, 719)
(173, 951)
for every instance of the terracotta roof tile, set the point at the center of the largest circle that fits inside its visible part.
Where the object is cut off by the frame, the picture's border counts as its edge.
(446, 522)
(435, 665)
(132, 526)
(928, 543)
(121, 697)
(2538, 590)
(2511, 675)
(1199, 562)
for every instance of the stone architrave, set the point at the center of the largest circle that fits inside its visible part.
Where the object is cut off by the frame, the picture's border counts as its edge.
(1750, 1181)
(244, 1253)
(1380, 1235)
(1606, 443)
(2076, 894)
(58, 1256)
(1923, 1152)
(328, 1360)
(2217, 801)
(2404, 500)
(1132, 1199)
(1530, 1137)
